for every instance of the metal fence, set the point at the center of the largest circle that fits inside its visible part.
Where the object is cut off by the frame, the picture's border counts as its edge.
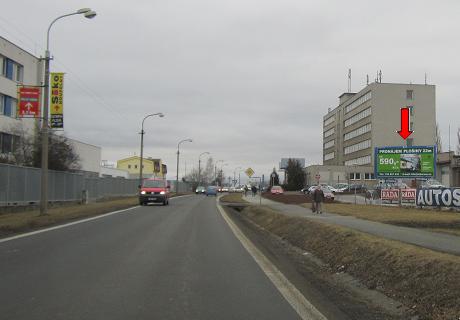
(21, 185)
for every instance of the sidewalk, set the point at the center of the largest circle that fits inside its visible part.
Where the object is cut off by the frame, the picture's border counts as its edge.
(431, 240)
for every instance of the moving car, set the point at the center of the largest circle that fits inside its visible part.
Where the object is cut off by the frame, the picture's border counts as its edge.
(276, 190)
(200, 190)
(211, 191)
(153, 190)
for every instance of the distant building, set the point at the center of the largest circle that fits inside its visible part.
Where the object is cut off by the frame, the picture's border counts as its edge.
(331, 175)
(151, 167)
(17, 66)
(448, 169)
(89, 156)
(369, 119)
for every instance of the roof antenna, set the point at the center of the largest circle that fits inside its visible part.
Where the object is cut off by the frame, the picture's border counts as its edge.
(349, 80)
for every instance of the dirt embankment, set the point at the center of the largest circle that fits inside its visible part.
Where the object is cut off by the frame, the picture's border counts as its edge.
(423, 280)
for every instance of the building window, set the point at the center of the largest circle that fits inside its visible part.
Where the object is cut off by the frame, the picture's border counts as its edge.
(358, 161)
(356, 133)
(363, 114)
(7, 142)
(369, 176)
(8, 106)
(129, 166)
(410, 142)
(410, 94)
(329, 132)
(135, 166)
(329, 156)
(411, 110)
(358, 146)
(355, 176)
(366, 97)
(329, 120)
(329, 144)
(10, 69)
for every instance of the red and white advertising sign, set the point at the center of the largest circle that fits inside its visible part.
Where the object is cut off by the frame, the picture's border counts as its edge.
(29, 102)
(389, 194)
(408, 194)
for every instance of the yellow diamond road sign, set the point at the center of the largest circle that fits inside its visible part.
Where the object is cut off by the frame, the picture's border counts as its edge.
(249, 172)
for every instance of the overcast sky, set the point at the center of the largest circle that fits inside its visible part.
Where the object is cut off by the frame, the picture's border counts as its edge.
(248, 80)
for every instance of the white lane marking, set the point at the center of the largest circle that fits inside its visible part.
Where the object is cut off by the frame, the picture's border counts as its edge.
(293, 296)
(28, 234)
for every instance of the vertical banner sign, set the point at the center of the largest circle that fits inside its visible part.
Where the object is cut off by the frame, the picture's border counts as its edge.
(56, 98)
(29, 102)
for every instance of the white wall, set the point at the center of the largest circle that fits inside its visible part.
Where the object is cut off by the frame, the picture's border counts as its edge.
(105, 171)
(90, 156)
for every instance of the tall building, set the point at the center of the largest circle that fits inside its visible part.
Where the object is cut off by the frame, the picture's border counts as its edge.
(17, 66)
(371, 117)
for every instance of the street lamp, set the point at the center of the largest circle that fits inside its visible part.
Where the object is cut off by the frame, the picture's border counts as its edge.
(177, 172)
(199, 166)
(87, 13)
(161, 115)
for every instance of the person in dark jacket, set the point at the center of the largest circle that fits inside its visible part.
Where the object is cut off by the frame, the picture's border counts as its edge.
(318, 198)
(254, 191)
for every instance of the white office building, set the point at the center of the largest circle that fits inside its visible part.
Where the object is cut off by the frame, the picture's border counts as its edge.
(371, 117)
(17, 66)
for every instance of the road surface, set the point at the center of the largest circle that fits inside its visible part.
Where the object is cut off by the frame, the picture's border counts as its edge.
(180, 261)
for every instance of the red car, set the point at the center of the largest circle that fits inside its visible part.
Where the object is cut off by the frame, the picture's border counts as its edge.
(154, 190)
(276, 190)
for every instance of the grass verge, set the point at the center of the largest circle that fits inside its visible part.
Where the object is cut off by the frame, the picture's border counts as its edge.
(12, 223)
(425, 281)
(233, 198)
(441, 221)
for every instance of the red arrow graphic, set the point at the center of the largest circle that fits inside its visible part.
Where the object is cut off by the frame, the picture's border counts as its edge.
(405, 119)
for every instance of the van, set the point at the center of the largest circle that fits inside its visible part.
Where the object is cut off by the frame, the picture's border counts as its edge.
(153, 190)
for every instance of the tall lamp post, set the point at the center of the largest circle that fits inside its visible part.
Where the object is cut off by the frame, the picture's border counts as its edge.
(199, 166)
(88, 13)
(159, 114)
(177, 175)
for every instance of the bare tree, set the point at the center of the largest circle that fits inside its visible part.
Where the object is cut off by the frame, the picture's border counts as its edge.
(28, 150)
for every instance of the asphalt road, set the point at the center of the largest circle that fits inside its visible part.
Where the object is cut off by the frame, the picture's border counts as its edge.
(176, 262)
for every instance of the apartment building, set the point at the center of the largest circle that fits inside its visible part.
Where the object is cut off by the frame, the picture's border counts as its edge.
(371, 117)
(17, 66)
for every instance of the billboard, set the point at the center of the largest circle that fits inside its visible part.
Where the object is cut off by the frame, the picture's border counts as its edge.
(28, 102)
(57, 100)
(405, 162)
(443, 197)
(284, 162)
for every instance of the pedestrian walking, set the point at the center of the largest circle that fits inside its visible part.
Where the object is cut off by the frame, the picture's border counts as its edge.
(317, 199)
(254, 191)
